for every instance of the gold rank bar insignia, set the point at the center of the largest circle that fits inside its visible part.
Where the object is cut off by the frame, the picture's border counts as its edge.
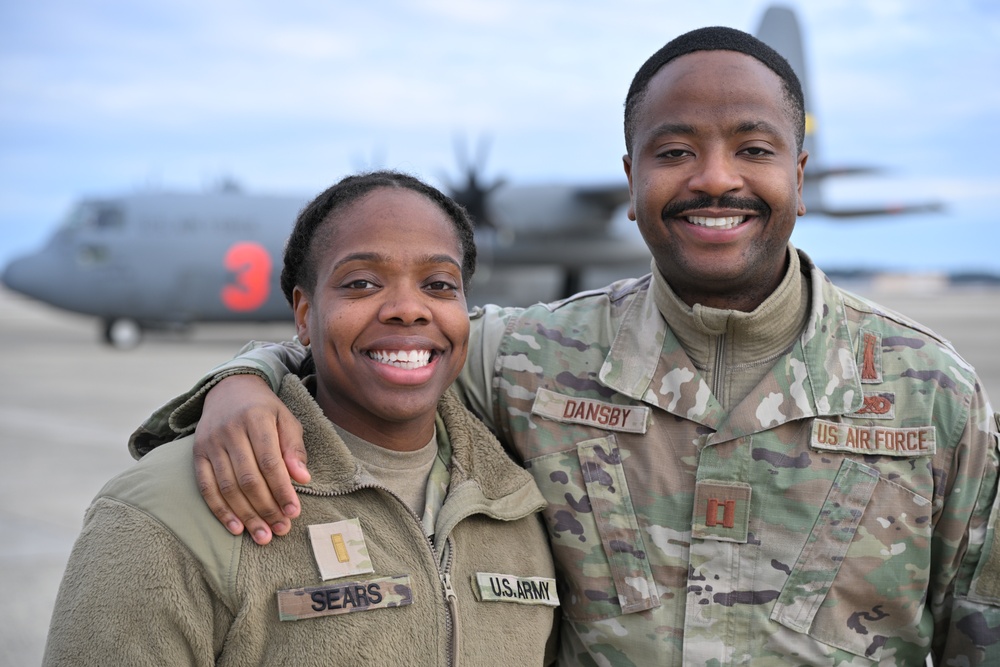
(340, 549)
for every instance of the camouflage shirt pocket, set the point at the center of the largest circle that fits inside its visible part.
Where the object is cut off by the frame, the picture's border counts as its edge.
(848, 587)
(594, 531)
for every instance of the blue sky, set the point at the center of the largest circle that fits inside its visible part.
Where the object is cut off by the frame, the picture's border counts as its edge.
(104, 97)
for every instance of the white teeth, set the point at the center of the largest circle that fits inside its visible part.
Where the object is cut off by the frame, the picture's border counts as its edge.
(406, 359)
(716, 223)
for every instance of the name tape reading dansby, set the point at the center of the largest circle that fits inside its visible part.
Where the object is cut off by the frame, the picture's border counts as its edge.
(610, 416)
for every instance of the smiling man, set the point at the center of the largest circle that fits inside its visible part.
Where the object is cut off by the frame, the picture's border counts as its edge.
(715, 167)
(795, 475)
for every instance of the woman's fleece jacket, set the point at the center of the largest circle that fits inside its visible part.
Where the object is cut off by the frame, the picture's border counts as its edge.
(154, 578)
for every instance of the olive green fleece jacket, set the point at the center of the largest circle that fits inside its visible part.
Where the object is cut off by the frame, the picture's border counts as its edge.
(155, 579)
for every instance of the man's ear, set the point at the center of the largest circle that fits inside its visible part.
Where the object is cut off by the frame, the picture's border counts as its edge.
(627, 162)
(800, 177)
(300, 308)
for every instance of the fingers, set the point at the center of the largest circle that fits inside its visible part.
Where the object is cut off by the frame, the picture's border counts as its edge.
(293, 450)
(206, 475)
(238, 460)
(261, 475)
(227, 474)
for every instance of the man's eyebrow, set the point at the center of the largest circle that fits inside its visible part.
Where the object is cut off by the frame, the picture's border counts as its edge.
(673, 128)
(749, 126)
(745, 127)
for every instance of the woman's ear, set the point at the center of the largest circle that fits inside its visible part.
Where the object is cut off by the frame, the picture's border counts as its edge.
(300, 308)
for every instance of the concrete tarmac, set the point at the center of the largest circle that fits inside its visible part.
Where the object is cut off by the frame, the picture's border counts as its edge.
(68, 404)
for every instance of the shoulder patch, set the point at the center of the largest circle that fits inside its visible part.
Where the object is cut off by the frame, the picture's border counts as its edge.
(986, 580)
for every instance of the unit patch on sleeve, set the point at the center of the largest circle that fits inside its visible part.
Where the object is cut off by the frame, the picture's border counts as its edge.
(877, 440)
(295, 604)
(587, 411)
(340, 549)
(491, 587)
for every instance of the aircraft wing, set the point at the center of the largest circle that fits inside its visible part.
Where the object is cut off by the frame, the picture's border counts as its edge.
(890, 209)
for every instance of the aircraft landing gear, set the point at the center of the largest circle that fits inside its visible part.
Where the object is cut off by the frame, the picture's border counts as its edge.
(122, 332)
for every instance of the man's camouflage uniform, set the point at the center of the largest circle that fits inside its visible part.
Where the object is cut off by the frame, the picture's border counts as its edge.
(843, 513)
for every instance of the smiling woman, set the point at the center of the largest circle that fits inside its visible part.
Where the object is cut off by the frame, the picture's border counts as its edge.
(386, 311)
(413, 513)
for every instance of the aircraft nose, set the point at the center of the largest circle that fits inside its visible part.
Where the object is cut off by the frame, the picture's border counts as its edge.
(26, 275)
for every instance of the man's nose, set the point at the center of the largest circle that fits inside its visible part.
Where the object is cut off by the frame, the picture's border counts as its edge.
(716, 173)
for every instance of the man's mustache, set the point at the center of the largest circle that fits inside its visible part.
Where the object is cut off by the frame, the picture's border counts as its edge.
(674, 209)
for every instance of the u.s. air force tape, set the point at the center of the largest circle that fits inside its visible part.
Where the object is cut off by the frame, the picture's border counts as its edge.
(295, 604)
(491, 587)
(874, 440)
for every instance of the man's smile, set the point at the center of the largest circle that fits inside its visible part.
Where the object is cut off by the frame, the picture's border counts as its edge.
(727, 222)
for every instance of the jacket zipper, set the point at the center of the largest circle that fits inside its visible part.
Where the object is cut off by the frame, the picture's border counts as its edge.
(452, 601)
(720, 360)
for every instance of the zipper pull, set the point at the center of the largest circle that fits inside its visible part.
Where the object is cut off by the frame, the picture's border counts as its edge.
(449, 592)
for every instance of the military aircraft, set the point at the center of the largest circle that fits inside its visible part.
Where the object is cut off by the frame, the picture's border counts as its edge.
(164, 260)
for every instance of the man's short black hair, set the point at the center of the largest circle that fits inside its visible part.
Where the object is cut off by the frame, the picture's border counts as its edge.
(717, 38)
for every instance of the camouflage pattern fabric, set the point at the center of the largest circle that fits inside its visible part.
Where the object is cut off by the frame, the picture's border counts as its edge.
(841, 514)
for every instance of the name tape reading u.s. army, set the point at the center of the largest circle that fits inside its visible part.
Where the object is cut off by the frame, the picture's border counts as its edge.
(492, 587)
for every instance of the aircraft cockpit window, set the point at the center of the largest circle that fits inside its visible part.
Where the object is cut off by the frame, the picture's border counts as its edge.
(108, 218)
(95, 217)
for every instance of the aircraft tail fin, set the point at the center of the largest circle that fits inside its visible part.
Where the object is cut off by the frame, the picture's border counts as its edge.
(779, 28)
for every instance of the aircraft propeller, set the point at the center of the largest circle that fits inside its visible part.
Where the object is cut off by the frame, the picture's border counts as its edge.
(473, 192)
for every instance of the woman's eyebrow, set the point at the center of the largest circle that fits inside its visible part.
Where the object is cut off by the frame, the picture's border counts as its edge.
(382, 258)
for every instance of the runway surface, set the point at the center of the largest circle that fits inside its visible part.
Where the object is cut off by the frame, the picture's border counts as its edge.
(68, 404)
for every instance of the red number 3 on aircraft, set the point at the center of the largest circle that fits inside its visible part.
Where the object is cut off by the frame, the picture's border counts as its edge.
(251, 266)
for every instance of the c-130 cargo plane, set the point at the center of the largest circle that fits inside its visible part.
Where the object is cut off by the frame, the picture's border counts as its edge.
(161, 260)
